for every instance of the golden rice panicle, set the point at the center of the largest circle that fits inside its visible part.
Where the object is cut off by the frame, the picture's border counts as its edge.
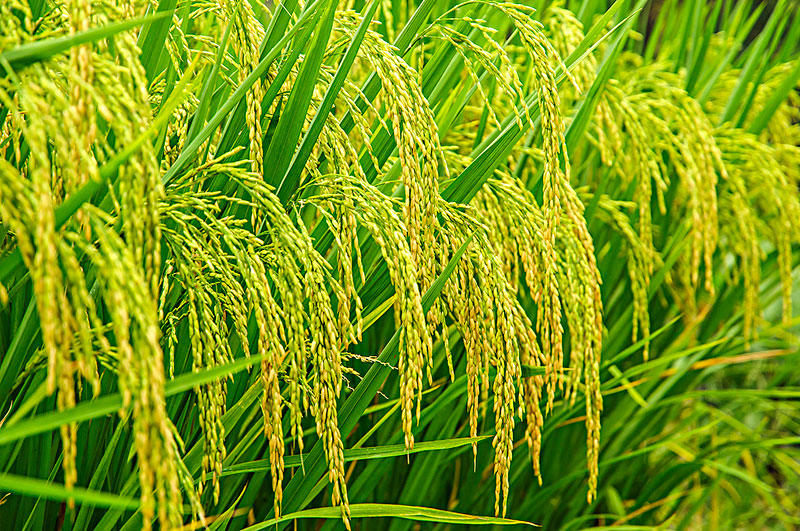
(247, 36)
(509, 209)
(641, 163)
(690, 145)
(135, 325)
(543, 57)
(271, 337)
(197, 241)
(289, 257)
(769, 188)
(137, 195)
(21, 210)
(650, 105)
(738, 229)
(639, 160)
(511, 340)
(640, 258)
(133, 288)
(289, 252)
(138, 189)
(496, 333)
(325, 353)
(269, 345)
(415, 132)
(29, 205)
(776, 154)
(341, 219)
(482, 53)
(327, 377)
(277, 325)
(514, 222)
(565, 32)
(81, 113)
(469, 319)
(288, 279)
(68, 323)
(556, 251)
(579, 260)
(376, 213)
(584, 311)
(579, 250)
(777, 149)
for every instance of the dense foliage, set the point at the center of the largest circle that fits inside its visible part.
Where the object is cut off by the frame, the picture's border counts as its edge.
(372, 263)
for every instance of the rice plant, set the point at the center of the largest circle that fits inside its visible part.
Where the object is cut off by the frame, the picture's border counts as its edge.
(394, 264)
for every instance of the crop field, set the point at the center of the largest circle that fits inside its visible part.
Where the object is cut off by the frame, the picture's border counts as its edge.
(399, 265)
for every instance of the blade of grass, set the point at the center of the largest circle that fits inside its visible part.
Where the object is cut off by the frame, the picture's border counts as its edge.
(291, 177)
(33, 52)
(284, 141)
(359, 454)
(54, 491)
(378, 510)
